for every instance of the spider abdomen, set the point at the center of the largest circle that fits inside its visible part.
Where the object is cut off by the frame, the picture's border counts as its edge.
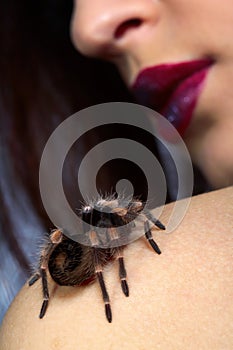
(72, 263)
(69, 263)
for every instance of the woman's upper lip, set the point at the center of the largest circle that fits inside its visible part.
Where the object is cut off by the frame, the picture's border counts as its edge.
(154, 85)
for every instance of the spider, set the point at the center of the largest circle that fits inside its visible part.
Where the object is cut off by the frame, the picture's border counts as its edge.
(71, 263)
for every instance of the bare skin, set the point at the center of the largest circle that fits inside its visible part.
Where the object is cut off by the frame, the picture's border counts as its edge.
(181, 299)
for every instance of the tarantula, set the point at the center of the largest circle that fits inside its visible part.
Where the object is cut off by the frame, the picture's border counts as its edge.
(72, 263)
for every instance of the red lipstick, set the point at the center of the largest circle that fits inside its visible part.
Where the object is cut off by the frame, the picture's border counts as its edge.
(172, 89)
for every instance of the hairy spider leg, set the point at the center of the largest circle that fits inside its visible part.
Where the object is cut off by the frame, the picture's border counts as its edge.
(122, 273)
(108, 311)
(150, 239)
(99, 273)
(118, 253)
(45, 292)
(55, 238)
(34, 278)
(155, 221)
(114, 234)
(148, 233)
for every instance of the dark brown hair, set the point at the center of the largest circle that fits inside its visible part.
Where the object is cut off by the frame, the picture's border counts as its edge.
(43, 81)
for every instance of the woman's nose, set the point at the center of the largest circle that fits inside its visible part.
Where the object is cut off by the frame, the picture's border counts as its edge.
(104, 28)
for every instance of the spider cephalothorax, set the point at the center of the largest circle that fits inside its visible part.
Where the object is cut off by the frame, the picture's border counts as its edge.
(73, 263)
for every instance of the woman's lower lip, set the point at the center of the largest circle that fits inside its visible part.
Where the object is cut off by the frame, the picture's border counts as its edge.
(173, 90)
(179, 108)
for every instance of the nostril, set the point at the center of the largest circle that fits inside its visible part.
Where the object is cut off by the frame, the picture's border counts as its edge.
(125, 26)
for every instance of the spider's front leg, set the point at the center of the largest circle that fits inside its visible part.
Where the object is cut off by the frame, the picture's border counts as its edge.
(55, 238)
(155, 221)
(148, 234)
